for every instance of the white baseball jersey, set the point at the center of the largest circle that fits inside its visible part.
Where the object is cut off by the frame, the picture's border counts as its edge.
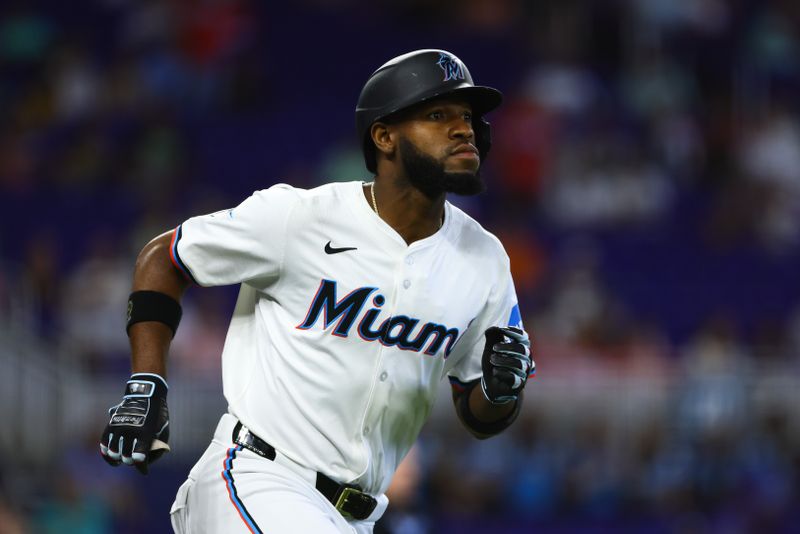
(342, 331)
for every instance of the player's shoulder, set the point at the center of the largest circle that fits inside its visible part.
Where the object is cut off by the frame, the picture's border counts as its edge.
(282, 191)
(472, 237)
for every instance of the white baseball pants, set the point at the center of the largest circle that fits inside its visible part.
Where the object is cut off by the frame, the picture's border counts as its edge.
(231, 489)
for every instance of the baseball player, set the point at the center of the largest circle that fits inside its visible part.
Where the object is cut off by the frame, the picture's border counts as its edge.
(355, 300)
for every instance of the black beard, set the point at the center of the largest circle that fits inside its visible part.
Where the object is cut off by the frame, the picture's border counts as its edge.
(428, 175)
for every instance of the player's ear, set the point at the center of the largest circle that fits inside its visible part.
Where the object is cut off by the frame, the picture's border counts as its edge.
(384, 137)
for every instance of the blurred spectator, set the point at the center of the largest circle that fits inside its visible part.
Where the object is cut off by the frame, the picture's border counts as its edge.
(92, 318)
(525, 136)
(702, 16)
(157, 156)
(75, 82)
(406, 514)
(40, 279)
(716, 366)
(69, 509)
(11, 521)
(17, 158)
(578, 304)
(196, 352)
(25, 34)
(604, 180)
(772, 42)
(770, 159)
(529, 261)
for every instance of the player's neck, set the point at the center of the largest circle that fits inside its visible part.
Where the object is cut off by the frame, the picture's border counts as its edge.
(407, 210)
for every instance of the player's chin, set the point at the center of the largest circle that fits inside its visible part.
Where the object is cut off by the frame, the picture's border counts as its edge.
(466, 162)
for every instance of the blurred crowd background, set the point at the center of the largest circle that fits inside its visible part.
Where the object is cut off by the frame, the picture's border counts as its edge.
(645, 180)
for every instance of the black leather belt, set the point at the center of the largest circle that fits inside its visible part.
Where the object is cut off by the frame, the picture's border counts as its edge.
(348, 499)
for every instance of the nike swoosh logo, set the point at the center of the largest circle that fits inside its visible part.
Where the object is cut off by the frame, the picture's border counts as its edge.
(333, 250)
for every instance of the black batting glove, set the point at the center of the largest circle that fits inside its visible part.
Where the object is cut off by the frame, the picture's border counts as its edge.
(506, 364)
(138, 431)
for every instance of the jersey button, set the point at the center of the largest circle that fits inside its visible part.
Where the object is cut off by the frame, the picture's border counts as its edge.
(366, 430)
(409, 261)
(406, 283)
(384, 376)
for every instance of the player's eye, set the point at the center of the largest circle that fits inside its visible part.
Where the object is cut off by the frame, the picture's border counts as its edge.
(468, 116)
(435, 115)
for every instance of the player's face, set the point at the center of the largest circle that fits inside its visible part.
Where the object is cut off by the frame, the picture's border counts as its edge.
(437, 148)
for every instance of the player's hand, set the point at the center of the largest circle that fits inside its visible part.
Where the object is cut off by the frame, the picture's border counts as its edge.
(138, 431)
(506, 364)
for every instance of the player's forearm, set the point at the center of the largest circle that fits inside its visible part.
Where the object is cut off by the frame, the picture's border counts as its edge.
(482, 418)
(485, 411)
(149, 347)
(150, 340)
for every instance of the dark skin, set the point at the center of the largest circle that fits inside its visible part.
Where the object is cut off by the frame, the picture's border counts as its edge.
(443, 130)
(154, 271)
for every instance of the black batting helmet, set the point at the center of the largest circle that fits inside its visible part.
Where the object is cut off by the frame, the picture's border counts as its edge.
(417, 77)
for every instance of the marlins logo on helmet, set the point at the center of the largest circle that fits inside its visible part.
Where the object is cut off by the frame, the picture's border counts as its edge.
(450, 66)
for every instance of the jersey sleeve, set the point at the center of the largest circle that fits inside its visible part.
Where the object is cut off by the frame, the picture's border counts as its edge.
(236, 245)
(502, 309)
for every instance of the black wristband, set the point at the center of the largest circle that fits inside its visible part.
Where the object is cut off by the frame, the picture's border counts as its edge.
(482, 427)
(153, 306)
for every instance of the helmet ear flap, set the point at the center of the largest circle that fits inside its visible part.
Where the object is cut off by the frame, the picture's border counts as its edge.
(370, 148)
(370, 158)
(483, 137)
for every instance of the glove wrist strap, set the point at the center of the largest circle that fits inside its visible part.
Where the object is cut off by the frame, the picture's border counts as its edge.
(150, 376)
(146, 386)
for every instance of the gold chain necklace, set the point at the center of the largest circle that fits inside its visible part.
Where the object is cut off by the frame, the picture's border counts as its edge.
(374, 204)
